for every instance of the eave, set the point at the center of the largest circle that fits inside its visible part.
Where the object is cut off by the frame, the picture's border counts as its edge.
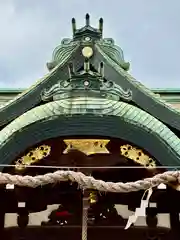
(23, 101)
(143, 97)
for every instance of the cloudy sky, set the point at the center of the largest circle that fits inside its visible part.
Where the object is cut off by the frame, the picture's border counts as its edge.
(147, 30)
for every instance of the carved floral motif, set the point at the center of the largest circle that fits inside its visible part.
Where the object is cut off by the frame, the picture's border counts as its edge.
(87, 146)
(137, 155)
(33, 156)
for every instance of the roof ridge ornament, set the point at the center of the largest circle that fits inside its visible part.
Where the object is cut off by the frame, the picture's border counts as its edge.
(63, 51)
(96, 33)
(101, 25)
(108, 46)
(101, 69)
(87, 20)
(73, 26)
(86, 82)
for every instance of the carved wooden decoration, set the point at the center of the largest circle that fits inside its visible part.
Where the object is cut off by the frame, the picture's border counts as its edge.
(137, 155)
(87, 146)
(33, 156)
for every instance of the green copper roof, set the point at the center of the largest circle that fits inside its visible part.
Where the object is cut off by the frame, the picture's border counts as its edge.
(61, 82)
(133, 81)
(12, 90)
(166, 90)
(79, 100)
(31, 96)
(94, 106)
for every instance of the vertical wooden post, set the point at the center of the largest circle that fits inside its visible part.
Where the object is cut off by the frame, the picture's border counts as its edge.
(174, 220)
(174, 211)
(23, 218)
(22, 211)
(152, 221)
(2, 218)
(2, 211)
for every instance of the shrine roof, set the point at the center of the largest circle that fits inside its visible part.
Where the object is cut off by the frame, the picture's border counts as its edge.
(88, 75)
(99, 107)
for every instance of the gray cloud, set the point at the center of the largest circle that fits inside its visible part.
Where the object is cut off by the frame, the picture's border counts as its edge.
(147, 31)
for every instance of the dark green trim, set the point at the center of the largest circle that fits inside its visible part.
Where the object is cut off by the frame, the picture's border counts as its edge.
(140, 98)
(170, 96)
(166, 90)
(155, 90)
(33, 98)
(87, 125)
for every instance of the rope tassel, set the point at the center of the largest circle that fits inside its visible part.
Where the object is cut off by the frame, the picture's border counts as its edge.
(140, 212)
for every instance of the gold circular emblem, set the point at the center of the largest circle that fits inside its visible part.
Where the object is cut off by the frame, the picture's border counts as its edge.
(87, 52)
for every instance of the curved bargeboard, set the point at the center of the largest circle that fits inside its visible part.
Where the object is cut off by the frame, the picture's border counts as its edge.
(90, 116)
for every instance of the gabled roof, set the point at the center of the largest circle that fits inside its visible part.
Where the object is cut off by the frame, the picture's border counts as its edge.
(115, 70)
(88, 75)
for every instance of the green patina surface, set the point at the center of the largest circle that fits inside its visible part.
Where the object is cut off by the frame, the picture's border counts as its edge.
(22, 111)
(31, 96)
(12, 90)
(155, 90)
(171, 93)
(166, 90)
(97, 107)
(132, 80)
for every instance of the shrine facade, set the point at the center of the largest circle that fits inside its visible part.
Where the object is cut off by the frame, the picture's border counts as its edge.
(90, 115)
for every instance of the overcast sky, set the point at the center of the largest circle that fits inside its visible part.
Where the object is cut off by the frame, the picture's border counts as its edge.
(148, 31)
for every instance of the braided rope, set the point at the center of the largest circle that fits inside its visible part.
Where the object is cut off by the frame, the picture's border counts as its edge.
(85, 217)
(84, 224)
(88, 182)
